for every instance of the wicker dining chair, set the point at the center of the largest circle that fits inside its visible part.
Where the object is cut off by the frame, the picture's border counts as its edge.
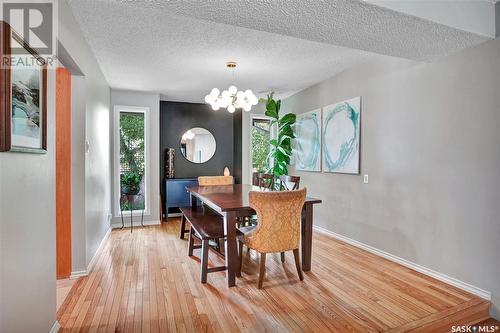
(265, 180)
(288, 183)
(215, 180)
(278, 228)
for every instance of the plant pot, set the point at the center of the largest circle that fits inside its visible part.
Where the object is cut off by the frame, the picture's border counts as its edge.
(130, 189)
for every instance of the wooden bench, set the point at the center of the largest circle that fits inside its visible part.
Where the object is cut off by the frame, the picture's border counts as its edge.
(205, 226)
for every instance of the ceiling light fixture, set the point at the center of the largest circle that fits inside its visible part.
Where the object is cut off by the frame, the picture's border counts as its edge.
(188, 135)
(231, 98)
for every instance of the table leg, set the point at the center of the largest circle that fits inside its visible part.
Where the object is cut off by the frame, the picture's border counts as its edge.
(307, 230)
(194, 202)
(231, 248)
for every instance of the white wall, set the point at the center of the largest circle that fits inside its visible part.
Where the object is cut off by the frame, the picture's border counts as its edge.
(27, 200)
(28, 235)
(430, 144)
(97, 120)
(78, 233)
(474, 16)
(151, 101)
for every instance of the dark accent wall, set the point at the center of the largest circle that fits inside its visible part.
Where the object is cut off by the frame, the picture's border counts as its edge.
(176, 118)
(237, 146)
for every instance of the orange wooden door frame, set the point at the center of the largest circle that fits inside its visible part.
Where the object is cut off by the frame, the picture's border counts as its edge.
(63, 173)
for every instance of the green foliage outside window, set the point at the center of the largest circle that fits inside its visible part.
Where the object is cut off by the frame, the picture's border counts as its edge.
(132, 162)
(132, 142)
(260, 145)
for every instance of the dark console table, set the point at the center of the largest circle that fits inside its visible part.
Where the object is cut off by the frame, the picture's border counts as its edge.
(176, 194)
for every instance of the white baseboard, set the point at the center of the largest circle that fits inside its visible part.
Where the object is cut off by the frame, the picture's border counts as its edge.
(78, 274)
(424, 270)
(55, 328)
(137, 224)
(175, 215)
(99, 249)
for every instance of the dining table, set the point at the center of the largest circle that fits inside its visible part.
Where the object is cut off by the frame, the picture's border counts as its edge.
(232, 202)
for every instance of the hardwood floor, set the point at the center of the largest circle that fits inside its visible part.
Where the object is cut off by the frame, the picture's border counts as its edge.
(63, 288)
(145, 282)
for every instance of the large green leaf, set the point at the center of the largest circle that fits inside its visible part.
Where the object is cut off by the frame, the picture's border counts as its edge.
(281, 149)
(271, 113)
(288, 131)
(282, 157)
(289, 118)
(285, 141)
(271, 109)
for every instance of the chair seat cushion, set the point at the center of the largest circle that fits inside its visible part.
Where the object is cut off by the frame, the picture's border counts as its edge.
(206, 224)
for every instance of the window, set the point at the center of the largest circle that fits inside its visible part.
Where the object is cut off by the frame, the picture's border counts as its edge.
(131, 171)
(261, 135)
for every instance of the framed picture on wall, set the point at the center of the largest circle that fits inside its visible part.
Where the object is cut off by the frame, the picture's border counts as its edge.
(341, 136)
(307, 144)
(23, 91)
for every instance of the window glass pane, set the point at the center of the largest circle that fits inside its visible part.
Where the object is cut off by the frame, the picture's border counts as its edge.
(262, 124)
(132, 171)
(261, 135)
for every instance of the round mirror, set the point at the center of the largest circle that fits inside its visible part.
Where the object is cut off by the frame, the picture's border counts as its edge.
(198, 145)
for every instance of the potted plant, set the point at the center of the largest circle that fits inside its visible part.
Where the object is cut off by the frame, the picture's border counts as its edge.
(130, 183)
(281, 148)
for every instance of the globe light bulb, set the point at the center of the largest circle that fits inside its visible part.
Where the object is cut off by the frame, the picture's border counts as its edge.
(231, 99)
(254, 100)
(215, 92)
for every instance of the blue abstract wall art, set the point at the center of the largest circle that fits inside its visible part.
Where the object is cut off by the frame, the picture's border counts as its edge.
(307, 144)
(341, 135)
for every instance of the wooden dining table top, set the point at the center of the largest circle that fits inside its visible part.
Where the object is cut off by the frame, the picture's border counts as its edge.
(231, 197)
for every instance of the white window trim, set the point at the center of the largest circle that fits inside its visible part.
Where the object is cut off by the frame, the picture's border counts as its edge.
(116, 158)
(274, 135)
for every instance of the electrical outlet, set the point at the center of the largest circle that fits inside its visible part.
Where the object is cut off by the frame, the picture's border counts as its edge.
(365, 179)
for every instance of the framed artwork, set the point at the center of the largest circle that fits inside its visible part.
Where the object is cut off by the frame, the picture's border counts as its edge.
(23, 90)
(341, 136)
(307, 144)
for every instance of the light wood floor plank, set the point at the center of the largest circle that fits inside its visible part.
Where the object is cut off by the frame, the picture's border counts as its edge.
(145, 282)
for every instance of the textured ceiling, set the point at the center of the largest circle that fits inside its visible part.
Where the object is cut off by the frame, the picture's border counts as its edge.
(349, 23)
(179, 48)
(182, 58)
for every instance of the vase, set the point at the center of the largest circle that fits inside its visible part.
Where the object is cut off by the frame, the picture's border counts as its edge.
(169, 163)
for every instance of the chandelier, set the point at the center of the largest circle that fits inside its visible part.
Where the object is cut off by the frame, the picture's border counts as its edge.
(231, 98)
